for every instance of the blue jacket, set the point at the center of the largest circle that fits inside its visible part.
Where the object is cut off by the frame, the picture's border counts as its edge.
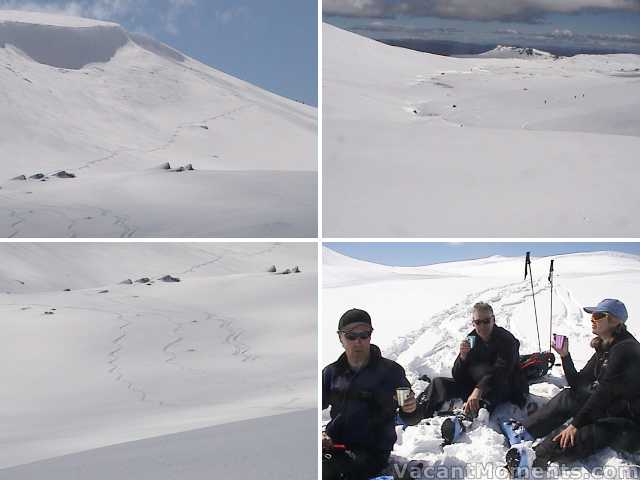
(363, 409)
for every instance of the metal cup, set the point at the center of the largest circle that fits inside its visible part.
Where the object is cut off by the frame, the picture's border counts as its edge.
(402, 394)
(472, 340)
(559, 341)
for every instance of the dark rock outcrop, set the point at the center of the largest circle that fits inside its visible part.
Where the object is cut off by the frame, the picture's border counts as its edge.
(169, 278)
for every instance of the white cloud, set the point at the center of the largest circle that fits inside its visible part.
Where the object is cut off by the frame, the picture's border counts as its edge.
(355, 8)
(530, 11)
(230, 14)
(583, 39)
(114, 10)
(562, 33)
(182, 3)
(98, 9)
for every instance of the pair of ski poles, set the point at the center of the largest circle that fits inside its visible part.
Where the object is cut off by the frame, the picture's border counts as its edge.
(527, 269)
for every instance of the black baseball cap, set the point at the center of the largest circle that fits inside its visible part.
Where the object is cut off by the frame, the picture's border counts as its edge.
(355, 315)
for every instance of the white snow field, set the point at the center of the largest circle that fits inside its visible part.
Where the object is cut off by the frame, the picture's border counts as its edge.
(111, 107)
(213, 374)
(420, 315)
(422, 145)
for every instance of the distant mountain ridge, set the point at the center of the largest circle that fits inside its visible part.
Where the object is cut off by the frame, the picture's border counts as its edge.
(506, 51)
(451, 48)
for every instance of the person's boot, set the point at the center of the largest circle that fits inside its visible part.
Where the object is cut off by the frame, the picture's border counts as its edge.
(520, 458)
(452, 429)
(548, 451)
(515, 432)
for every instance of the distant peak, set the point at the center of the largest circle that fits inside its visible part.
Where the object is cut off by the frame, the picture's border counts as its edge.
(506, 51)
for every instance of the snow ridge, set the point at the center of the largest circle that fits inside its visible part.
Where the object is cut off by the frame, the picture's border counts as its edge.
(64, 47)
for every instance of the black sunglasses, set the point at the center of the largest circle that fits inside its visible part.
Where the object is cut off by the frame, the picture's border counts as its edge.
(599, 315)
(351, 336)
(483, 321)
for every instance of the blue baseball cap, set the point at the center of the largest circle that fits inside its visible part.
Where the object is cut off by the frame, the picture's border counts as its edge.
(610, 305)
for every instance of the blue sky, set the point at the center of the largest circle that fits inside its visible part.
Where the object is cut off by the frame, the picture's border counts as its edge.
(414, 254)
(529, 22)
(270, 43)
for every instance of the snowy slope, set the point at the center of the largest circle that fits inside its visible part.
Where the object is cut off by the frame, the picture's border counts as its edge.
(109, 362)
(420, 314)
(110, 107)
(416, 144)
(291, 439)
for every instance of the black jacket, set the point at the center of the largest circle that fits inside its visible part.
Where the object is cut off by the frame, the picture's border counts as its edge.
(499, 361)
(362, 406)
(613, 376)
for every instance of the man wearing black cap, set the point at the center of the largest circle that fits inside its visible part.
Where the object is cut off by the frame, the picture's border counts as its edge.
(360, 387)
(602, 400)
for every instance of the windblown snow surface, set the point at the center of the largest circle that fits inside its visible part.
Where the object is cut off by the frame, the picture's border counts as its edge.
(111, 107)
(416, 144)
(420, 315)
(211, 376)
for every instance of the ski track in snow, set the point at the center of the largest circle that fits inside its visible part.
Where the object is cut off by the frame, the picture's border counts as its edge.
(20, 219)
(114, 355)
(451, 325)
(234, 337)
(182, 126)
(114, 358)
(112, 154)
(127, 321)
(172, 138)
(121, 221)
(198, 266)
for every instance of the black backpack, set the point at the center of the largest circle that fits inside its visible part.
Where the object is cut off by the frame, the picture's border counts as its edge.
(536, 365)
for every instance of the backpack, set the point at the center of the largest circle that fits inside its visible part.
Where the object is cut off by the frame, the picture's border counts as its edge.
(536, 365)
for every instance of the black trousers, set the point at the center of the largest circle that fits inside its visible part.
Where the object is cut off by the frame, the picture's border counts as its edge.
(442, 389)
(617, 432)
(352, 464)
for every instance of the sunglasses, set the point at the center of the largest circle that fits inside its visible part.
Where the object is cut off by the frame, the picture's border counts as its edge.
(351, 336)
(599, 315)
(482, 321)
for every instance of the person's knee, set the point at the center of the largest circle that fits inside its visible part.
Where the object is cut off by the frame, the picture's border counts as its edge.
(440, 383)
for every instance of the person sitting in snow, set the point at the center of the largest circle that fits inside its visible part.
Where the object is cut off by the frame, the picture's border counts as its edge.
(360, 387)
(602, 400)
(487, 374)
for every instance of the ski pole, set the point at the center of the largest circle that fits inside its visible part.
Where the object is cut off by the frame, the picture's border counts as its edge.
(527, 264)
(550, 278)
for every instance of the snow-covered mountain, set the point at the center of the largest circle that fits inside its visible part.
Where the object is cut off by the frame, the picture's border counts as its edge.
(103, 348)
(505, 51)
(422, 145)
(420, 314)
(112, 107)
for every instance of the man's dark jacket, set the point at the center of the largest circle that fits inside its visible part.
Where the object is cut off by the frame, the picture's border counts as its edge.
(613, 376)
(494, 367)
(363, 409)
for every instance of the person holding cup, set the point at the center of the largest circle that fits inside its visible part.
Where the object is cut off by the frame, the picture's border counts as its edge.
(602, 400)
(365, 391)
(485, 373)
